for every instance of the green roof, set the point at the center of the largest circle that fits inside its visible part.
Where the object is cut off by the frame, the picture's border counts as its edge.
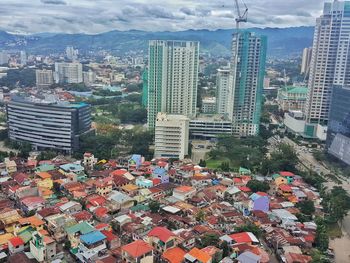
(244, 170)
(140, 207)
(296, 90)
(26, 235)
(82, 227)
(45, 168)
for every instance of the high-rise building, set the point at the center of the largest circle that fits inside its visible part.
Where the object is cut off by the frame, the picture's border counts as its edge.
(48, 124)
(172, 78)
(248, 69)
(338, 133)
(89, 77)
(330, 63)
(4, 58)
(44, 78)
(306, 60)
(145, 88)
(68, 72)
(23, 57)
(71, 53)
(171, 136)
(224, 92)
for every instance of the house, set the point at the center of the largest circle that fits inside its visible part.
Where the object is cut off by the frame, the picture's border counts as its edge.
(22, 179)
(9, 218)
(15, 245)
(32, 203)
(244, 237)
(196, 255)
(70, 207)
(89, 161)
(297, 258)
(45, 180)
(57, 224)
(285, 190)
(174, 255)
(137, 252)
(184, 192)
(74, 232)
(43, 248)
(161, 239)
(11, 166)
(83, 216)
(112, 240)
(130, 189)
(104, 186)
(288, 175)
(248, 257)
(161, 173)
(122, 200)
(91, 246)
(260, 202)
(33, 221)
(281, 180)
(143, 182)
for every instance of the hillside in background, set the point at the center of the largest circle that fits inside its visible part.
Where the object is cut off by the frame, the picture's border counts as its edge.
(282, 42)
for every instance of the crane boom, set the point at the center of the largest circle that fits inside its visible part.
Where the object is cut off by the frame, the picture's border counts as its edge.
(241, 17)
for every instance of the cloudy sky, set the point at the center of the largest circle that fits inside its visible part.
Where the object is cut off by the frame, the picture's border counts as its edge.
(95, 16)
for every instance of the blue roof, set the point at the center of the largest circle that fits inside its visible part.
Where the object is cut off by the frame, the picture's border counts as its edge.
(73, 167)
(92, 237)
(159, 171)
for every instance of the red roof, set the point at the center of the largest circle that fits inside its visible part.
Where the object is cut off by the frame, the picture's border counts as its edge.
(162, 164)
(237, 180)
(242, 237)
(285, 188)
(156, 181)
(82, 215)
(262, 193)
(244, 189)
(174, 255)
(102, 226)
(118, 172)
(286, 174)
(16, 241)
(137, 248)
(100, 211)
(162, 233)
(109, 235)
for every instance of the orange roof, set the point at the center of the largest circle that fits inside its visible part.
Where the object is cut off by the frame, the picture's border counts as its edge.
(137, 248)
(199, 255)
(130, 187)
(162, 233)
(33, 220)
(184, 188)
(44, 175)
(174, 255)
(285, 188)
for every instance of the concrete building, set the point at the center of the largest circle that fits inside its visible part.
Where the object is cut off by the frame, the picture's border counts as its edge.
(23, 58)
(48, 125)
(4, 58)
(171, 136)
(208, 127)
(89, 77)
(172, 78)
(292, 98)
(68, 73)
(43, 248)
(44, 78)
(338, 134)
(330, 63)
(248, 69)
(71, 53)
(306, 61)
(224, 92)
(209, 105)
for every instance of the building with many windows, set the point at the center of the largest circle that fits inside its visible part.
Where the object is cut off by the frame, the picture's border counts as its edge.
(68, 72)
(48, 125)
(44, 78)
(248, 69)
(171, 136)
(207, 127)
(338, 133)
(224, 92)
(330, 63)
(172, 78)
(292, 98)
(306, 60)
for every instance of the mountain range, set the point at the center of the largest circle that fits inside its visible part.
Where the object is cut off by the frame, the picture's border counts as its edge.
(282, 42)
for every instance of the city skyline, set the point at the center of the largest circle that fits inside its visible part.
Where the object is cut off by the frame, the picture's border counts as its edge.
(84, 16)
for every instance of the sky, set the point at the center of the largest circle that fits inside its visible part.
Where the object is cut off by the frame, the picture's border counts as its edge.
(96, 16)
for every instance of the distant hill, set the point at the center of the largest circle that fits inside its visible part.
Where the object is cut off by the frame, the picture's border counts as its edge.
(282, 42)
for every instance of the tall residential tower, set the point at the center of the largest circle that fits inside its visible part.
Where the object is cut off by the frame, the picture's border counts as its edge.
(248, 70)
(172, 78)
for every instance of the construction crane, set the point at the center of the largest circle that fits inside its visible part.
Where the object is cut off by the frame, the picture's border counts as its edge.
(242, 17)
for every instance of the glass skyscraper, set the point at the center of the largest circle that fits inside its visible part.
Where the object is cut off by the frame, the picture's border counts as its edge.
(338, 134)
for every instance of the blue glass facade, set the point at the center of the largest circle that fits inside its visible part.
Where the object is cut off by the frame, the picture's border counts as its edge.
(338, 135)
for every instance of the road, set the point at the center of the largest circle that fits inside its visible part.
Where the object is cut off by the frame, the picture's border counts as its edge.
(200, 150)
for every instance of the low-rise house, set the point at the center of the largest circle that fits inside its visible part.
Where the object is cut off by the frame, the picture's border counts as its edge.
(32, 204)
(248, 257)
(161, 173)
(74, 232)
(33, 221)
(285, 190)
(260, 202)
(143, 182)
(91, 246)
(161, 239)
(43, 248)
(174, 255)
(11, 166)
(83, 216)
(9, 218)
(104, 186)
(184, 192)
(244, 237)
(197, 255)
(22, 179)
(15, 245)
(112, 240)
(57, 224)
(70, 207)
(89, 161)
(137, 252)
(288, 175)
(122, 200)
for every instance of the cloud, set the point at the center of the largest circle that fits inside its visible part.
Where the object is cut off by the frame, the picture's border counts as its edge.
(88, 16)
(53, 2)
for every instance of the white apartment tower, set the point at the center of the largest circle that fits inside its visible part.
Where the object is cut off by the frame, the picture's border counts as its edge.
(224, 92)
(172, 78)
(23, 58)
(306, 60)
(68, 72)
(171, 136)
(330, 63)
(44, 78)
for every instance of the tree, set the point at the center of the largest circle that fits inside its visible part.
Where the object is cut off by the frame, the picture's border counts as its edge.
(67, 245)
(202, 163)
(321, 239)
(306, 207)
(209, 240)
(225, 249)
(225, 166)
(249, 228)
(284, 158)
(200, 216)
(257, 186)
(154, 206)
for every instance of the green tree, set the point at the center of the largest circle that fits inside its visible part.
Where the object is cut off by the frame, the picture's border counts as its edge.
(225, 166)
(257, 186)
(249, 228)
(225, 249)
(306, 207)
(154, 206)
(200, 216)
(209, 240)
(321, 239)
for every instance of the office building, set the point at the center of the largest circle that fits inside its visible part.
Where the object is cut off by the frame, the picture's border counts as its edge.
(306, 61)
(172, 78)
(248, 69)
(292, 98)
(338, 133)
(48, 124)
(89, 77)
(23, 58)
(208, 105)
(330, 63)
(68, 73)
(171, 136)
(71, 53)
(224, 92)
(44, 78)
(4, 58)
(207, 127)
